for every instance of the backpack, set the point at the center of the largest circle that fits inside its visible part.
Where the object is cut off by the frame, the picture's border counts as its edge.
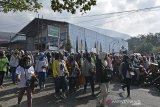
(107, 74)
(127, 67)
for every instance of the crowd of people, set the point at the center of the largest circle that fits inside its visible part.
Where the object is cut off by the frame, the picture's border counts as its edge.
(70, 71)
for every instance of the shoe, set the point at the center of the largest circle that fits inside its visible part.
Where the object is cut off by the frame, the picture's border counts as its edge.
(18, 105)
(93, 94)
(44, 86)
(84, 92)
(1, 86)
(56, 96)
(63, 96)
(128, 96)
(122, 87)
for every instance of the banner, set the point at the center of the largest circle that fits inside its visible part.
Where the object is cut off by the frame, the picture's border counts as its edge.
(77, 45)
(53, 31)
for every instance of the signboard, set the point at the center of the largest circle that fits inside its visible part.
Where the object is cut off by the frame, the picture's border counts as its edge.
(53, 31)
(52, 48)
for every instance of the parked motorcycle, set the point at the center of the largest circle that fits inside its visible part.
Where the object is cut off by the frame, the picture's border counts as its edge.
(153, 78)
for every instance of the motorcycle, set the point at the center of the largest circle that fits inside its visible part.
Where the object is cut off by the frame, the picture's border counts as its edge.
(153, 78)
(156, 81)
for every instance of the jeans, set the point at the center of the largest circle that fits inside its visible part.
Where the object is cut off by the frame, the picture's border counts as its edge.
(57, 85)
(63, 84)
(13, 71)
(29, 95)
(91, 80)
(1, 77)
(42, 78)
(72, 83)
(127, 82)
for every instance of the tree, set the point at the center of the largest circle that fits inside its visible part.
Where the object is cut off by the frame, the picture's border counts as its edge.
(149, 43)
(19, 5)
(145, 48)
(56, 5)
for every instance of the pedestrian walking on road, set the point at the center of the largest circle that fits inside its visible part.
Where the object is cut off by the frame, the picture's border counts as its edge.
(3, 67)
(25, 72)
(126, 74)
(89, 72)
(41, 69)
(14, 62)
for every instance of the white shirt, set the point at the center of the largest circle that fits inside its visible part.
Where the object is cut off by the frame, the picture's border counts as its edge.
(61, 70)
(105, 63)
(14, 61)
(24, 74)
(39, 66)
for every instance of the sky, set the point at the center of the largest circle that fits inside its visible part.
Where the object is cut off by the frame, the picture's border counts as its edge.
(133, 24)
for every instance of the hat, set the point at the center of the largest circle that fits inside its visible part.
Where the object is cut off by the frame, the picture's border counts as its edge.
(41, 56)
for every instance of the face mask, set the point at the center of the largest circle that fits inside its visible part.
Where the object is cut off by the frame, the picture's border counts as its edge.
(27, 63)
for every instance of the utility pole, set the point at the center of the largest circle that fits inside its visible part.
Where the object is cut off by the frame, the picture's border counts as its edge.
(109, 47)
(42, 34)
(10, 44)
(58, 47)
(66, 34)
(38, 35)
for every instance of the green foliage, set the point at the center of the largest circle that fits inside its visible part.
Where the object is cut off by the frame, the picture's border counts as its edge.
(19, 5)
(145, 48)
(56, 5)
(145, 44)
(72, 5)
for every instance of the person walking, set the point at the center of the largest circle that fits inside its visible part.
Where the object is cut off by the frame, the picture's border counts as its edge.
(73, 74)
(25, 72)
(89, 72)
(59, 72)
(41, 69)
(105, 75)
(14, 62)
(3, 67)
(55, 67)
(108, 70)
(126, 74)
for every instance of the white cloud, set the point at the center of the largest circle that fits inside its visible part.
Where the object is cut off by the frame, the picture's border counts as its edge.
(132, 24)
(146, 3)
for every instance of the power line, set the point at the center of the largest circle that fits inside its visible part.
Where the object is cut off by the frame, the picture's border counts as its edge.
(113, 20)
(128, 11)
(113, 13)
(97, 19)
(108, 17)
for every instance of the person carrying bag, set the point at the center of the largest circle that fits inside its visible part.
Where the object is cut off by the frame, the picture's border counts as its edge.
(89, 72)
(26, 82)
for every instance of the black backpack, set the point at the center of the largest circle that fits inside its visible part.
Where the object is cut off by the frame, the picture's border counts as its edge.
(107, 74)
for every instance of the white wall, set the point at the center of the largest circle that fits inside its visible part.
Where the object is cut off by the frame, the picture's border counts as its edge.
(92, 37)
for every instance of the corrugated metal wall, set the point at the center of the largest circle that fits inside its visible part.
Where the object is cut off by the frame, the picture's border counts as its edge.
(92, 37)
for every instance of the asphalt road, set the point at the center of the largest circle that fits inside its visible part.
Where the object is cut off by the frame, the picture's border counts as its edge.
(140, 97)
